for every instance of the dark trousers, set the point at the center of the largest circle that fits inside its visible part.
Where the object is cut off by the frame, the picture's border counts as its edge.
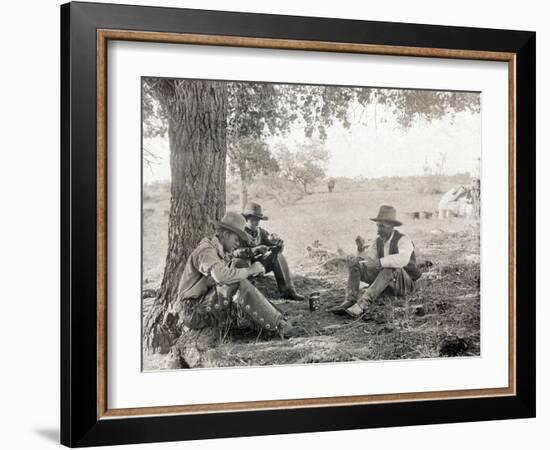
(398, 280)
(275, 262)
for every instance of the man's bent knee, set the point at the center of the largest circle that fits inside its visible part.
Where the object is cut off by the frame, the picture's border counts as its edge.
(388, 271)
(355, 265)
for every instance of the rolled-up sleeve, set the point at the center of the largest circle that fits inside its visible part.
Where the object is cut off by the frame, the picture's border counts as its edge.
(399, 260)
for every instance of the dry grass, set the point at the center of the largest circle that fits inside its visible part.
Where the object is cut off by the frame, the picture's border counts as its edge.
(444, 309)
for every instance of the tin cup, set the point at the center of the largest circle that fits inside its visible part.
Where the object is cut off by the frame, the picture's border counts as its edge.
(314, 301)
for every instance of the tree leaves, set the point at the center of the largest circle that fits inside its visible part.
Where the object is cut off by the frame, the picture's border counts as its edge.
(304, 165)
(250, 156)
(257, 110)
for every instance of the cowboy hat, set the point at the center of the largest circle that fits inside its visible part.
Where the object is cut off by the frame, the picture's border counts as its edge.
(254, 209)
(387, 214)
(233, 221)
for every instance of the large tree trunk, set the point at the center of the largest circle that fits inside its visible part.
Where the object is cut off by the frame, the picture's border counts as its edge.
(197, 134)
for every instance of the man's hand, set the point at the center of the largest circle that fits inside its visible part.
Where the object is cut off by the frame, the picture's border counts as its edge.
(373, 263)
(260, 249)
(360, 242)
(276, 240)
(242, 253)
(257, 269)
(353, 259)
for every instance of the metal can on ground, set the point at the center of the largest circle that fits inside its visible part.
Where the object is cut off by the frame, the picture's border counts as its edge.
(315, 301)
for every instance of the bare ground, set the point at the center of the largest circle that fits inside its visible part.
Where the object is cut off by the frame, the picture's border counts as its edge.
(441, 319)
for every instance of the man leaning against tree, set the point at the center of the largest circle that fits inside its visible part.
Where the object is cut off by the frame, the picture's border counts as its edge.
(213, 294)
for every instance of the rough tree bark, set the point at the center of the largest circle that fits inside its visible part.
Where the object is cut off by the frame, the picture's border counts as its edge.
(197, 135)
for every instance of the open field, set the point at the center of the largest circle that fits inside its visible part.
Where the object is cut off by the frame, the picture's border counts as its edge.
(440, 319)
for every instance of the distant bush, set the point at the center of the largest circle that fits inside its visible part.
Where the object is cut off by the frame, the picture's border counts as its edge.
(422, 184)
(271, 187)
(439, 184)
(157, 191)
(265, 187)
(429, 190)
(430, 185)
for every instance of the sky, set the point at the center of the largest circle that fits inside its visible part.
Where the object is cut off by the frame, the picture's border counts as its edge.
(375, 148)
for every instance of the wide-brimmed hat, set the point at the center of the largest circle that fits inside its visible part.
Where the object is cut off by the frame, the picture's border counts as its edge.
(233, 221)
(387, 214)
(254, 209)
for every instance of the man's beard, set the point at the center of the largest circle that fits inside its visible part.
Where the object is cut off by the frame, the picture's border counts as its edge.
(384, 236)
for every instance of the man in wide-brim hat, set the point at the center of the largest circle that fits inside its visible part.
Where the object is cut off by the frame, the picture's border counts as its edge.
(390, 262)
(211, 293)
(266, 248)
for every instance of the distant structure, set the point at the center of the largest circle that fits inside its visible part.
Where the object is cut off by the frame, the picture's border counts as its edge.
(331, 183)
(463, 201)
(475, 189)
(455, 203)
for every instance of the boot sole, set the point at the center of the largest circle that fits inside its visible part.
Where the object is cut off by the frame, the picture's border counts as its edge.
(338, 312)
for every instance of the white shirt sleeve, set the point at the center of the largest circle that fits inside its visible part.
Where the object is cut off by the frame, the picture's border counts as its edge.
(405, 248)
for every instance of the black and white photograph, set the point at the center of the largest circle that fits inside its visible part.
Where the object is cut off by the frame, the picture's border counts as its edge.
(288, 224)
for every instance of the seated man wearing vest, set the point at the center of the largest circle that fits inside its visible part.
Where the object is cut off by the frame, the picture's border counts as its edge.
(213, 294)
(266, 248)
(389, 262)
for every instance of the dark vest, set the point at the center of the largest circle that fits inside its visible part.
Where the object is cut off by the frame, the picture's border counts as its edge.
(260, 236)
(411, 268)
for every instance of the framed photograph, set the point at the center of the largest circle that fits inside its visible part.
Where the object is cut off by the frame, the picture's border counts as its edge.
(278, 224)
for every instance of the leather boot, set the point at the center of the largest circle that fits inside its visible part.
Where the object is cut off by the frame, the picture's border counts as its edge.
(341, 308)
(293, 294)
(288, 330)
(360, 307)
(352, 290)
(355, 311)
(284, 279)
